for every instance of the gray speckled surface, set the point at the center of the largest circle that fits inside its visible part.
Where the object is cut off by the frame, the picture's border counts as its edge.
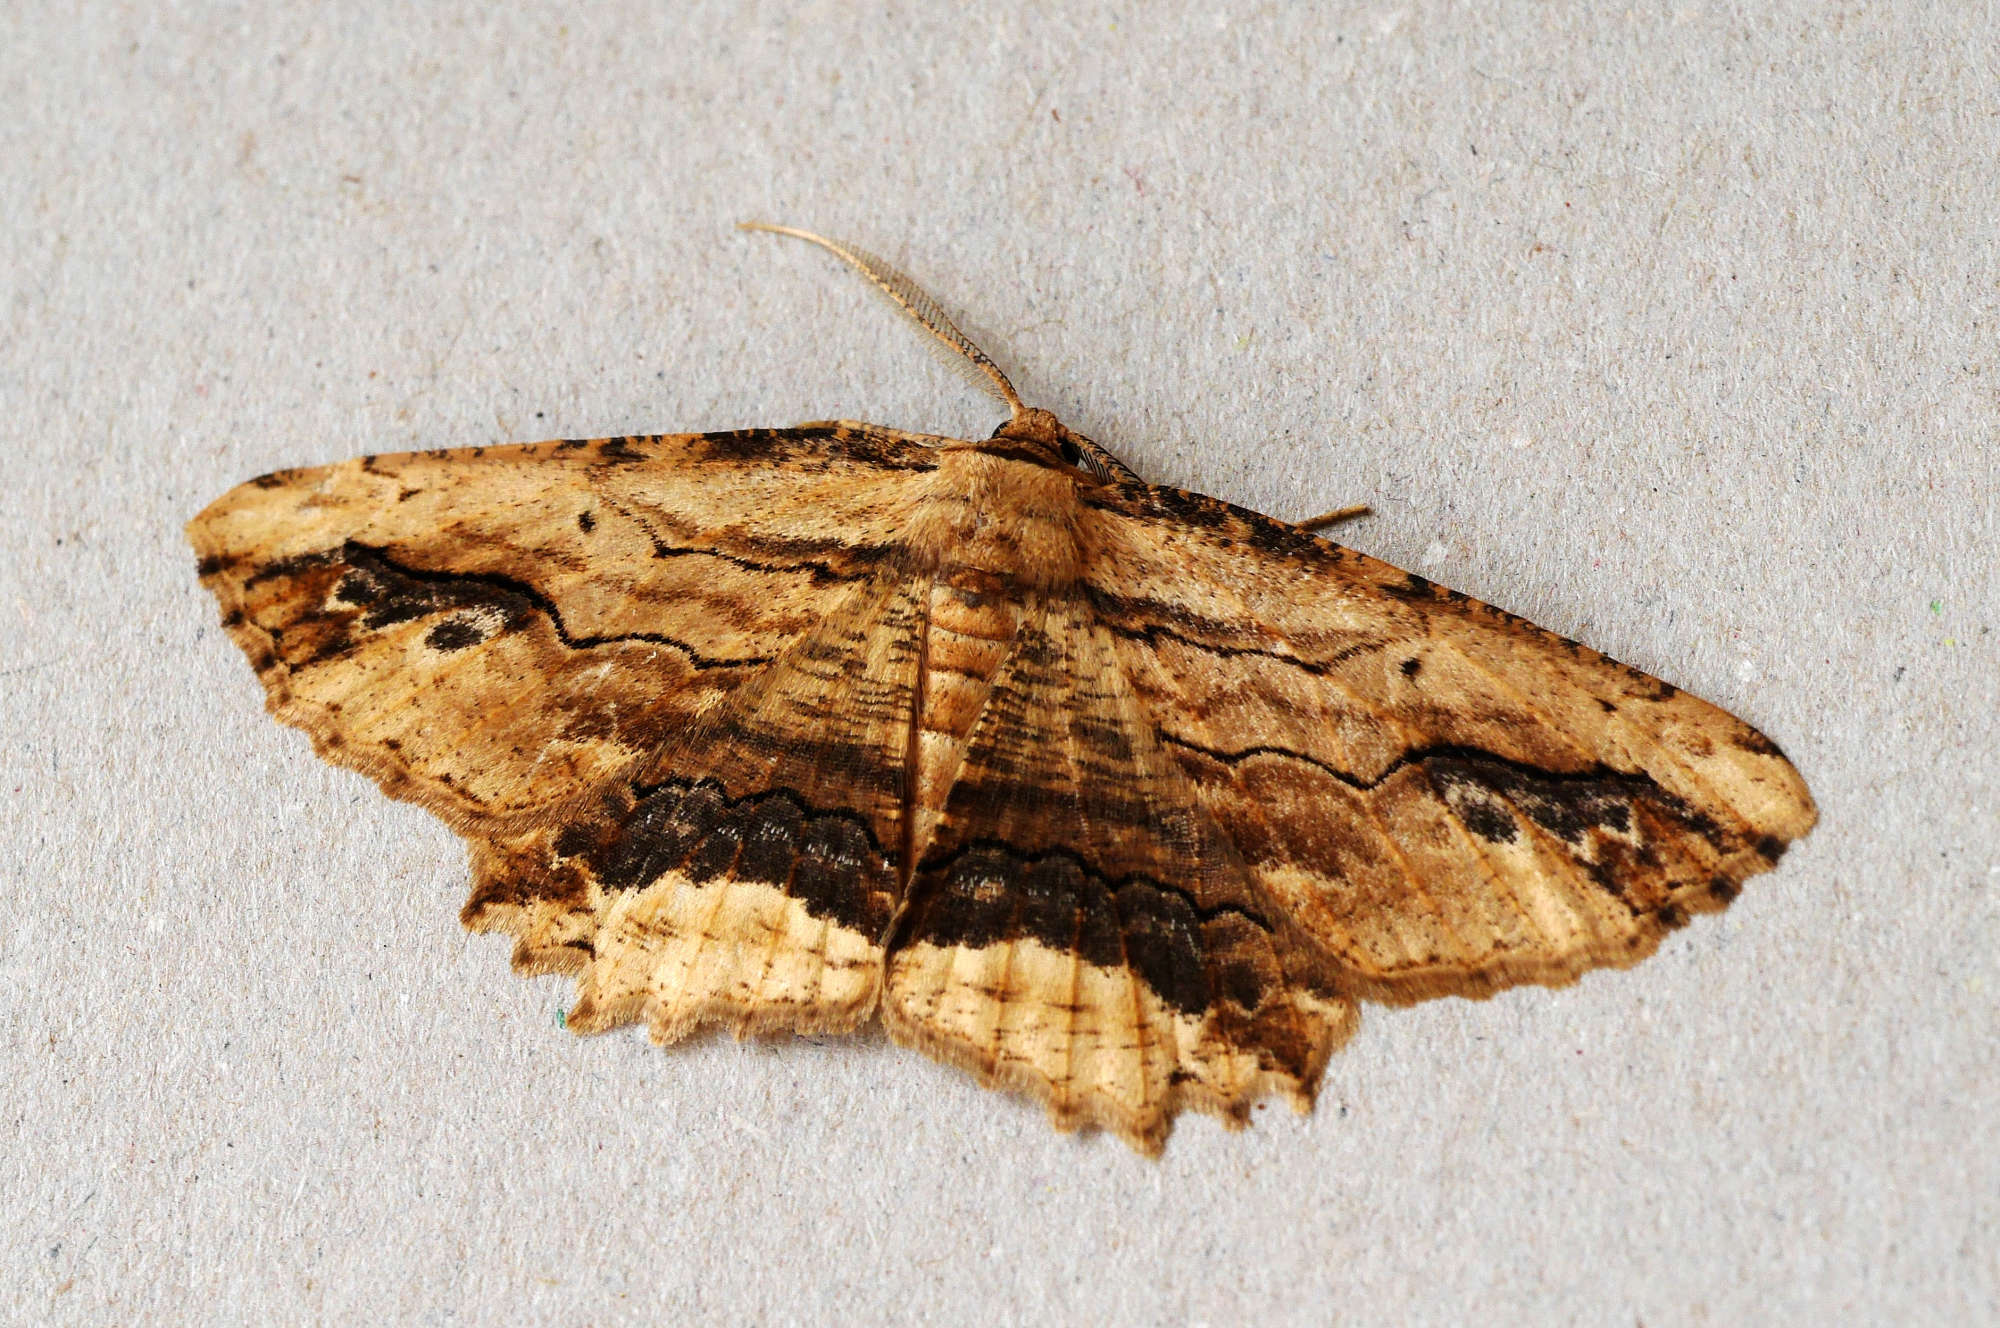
(1672, 330)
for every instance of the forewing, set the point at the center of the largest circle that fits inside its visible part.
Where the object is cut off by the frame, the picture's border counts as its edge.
(493, 632)
(1448, 799)
(1078, 927)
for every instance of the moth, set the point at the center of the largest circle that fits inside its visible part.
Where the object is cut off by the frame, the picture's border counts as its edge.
(1110, 793)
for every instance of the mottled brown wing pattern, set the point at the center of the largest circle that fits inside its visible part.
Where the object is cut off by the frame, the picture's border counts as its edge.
(662, 684)
(493, 632)
(1447, 799)
(1113, 794)
(750, 870)
(743, 873)
(1079, 928)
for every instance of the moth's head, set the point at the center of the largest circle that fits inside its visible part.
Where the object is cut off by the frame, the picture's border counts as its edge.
(1040, 431)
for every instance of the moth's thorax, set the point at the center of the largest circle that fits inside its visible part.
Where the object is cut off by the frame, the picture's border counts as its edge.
(1012, 518)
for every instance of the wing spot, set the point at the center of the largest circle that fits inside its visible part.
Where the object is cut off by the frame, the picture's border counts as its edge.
(455, 633)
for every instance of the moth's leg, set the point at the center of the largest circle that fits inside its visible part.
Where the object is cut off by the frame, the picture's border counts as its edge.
(1333, 518)
(1100, 458)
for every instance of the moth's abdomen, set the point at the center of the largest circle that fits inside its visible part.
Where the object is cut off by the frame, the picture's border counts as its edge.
(969, 633)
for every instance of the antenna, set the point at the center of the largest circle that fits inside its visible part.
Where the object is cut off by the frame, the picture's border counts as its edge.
(912, 300)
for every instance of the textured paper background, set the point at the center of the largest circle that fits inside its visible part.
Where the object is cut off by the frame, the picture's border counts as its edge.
(1673, 330)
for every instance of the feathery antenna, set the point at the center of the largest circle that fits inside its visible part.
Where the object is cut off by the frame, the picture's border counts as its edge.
(912, 300)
